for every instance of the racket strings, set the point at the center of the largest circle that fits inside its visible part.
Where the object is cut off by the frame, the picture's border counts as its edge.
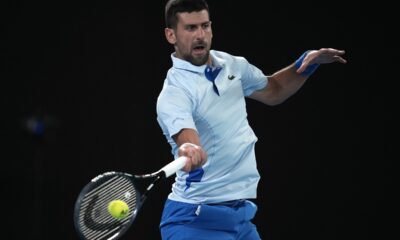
(94, 219)
(101, 213)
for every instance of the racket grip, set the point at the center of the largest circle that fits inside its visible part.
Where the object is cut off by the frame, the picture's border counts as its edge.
(174, 166)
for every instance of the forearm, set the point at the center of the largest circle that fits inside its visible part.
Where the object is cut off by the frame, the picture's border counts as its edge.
(281, 85)
(187, 135)
(290, 79)
(287, 82)
(189, 145)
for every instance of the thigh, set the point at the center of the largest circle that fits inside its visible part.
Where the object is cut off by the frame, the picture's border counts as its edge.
(184, 232)
(184, 221)
(181, 221)
(248, 232)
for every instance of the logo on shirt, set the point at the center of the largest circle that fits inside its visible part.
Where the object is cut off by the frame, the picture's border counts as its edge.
(231, 77)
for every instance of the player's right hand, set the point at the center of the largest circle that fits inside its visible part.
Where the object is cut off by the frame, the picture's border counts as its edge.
(197, 157)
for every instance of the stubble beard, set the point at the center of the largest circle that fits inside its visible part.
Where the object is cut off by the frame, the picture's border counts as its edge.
(197, 61)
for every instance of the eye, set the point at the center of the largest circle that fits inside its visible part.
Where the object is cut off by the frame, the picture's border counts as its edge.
(191, 28)
(206, 25)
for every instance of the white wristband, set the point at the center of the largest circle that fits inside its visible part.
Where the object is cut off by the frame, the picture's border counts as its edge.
(190, 144)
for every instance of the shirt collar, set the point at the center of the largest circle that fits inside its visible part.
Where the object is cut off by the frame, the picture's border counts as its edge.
(185, 65)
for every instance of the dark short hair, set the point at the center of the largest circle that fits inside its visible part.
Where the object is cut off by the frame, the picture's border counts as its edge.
(178, 6)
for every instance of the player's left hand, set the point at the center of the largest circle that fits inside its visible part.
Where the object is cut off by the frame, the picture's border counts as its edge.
(322, 56)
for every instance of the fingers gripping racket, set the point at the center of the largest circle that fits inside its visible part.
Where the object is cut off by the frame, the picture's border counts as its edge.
(92, 218)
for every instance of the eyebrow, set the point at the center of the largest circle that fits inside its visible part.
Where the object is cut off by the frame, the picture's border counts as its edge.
(194, 24)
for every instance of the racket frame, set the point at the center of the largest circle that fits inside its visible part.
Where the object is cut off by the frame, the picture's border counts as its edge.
(141, 196)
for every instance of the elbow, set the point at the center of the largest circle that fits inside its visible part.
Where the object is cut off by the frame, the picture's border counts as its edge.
(274, 101)
(276, 97)
(270, 99)
(274, 94)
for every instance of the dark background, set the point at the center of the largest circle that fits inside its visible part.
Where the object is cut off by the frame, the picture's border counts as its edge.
(92, 71)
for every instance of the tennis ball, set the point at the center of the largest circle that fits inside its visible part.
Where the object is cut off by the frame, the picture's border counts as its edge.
(118, 209)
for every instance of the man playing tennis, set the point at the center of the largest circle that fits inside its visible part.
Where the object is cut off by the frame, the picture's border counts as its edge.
(202, 112)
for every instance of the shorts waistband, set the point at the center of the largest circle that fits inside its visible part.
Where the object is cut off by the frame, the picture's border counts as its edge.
(231, 203)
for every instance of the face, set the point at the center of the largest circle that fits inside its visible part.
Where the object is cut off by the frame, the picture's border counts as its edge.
(192, 37)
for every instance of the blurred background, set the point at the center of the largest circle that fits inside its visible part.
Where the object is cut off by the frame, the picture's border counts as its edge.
(80, 84)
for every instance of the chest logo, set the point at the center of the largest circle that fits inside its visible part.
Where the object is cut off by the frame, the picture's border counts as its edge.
(231, 77)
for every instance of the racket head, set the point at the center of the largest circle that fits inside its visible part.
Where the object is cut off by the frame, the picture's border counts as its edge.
(91, 217)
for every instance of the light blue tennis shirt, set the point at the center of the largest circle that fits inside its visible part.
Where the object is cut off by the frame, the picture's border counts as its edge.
(218, 114)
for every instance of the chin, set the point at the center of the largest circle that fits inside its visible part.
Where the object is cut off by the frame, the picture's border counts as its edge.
(199, 61)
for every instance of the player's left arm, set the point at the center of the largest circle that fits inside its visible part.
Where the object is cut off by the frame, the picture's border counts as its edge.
(287, 81)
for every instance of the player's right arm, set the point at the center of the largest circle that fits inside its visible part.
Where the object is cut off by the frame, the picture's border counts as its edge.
(189, 145)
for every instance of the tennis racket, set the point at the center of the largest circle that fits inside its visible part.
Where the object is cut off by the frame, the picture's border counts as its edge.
(91, 217)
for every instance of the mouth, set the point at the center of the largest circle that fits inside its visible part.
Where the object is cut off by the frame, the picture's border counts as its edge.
(199, 49)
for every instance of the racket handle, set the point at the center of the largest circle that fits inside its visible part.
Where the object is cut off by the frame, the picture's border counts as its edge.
(174, 166)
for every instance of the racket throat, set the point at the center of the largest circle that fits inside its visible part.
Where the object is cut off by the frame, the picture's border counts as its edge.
(160, 176)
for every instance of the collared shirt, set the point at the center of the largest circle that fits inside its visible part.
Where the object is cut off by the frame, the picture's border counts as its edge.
(189, 100)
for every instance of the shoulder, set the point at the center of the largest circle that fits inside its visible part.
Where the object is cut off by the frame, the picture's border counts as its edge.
(179, 78)
(176, 83)
(228, 58)
(174, 76)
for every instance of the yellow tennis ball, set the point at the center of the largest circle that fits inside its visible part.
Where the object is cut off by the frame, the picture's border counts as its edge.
(118, 209)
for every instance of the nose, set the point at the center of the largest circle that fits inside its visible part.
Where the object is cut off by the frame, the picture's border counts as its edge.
(200, 33)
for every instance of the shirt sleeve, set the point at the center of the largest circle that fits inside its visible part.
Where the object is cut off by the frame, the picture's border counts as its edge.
(253, 79)
(174, 110)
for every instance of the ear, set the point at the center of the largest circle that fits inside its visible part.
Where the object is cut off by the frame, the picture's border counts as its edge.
(170, 35)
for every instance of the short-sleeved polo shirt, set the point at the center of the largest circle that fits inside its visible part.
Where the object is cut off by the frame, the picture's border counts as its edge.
(188, 100)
